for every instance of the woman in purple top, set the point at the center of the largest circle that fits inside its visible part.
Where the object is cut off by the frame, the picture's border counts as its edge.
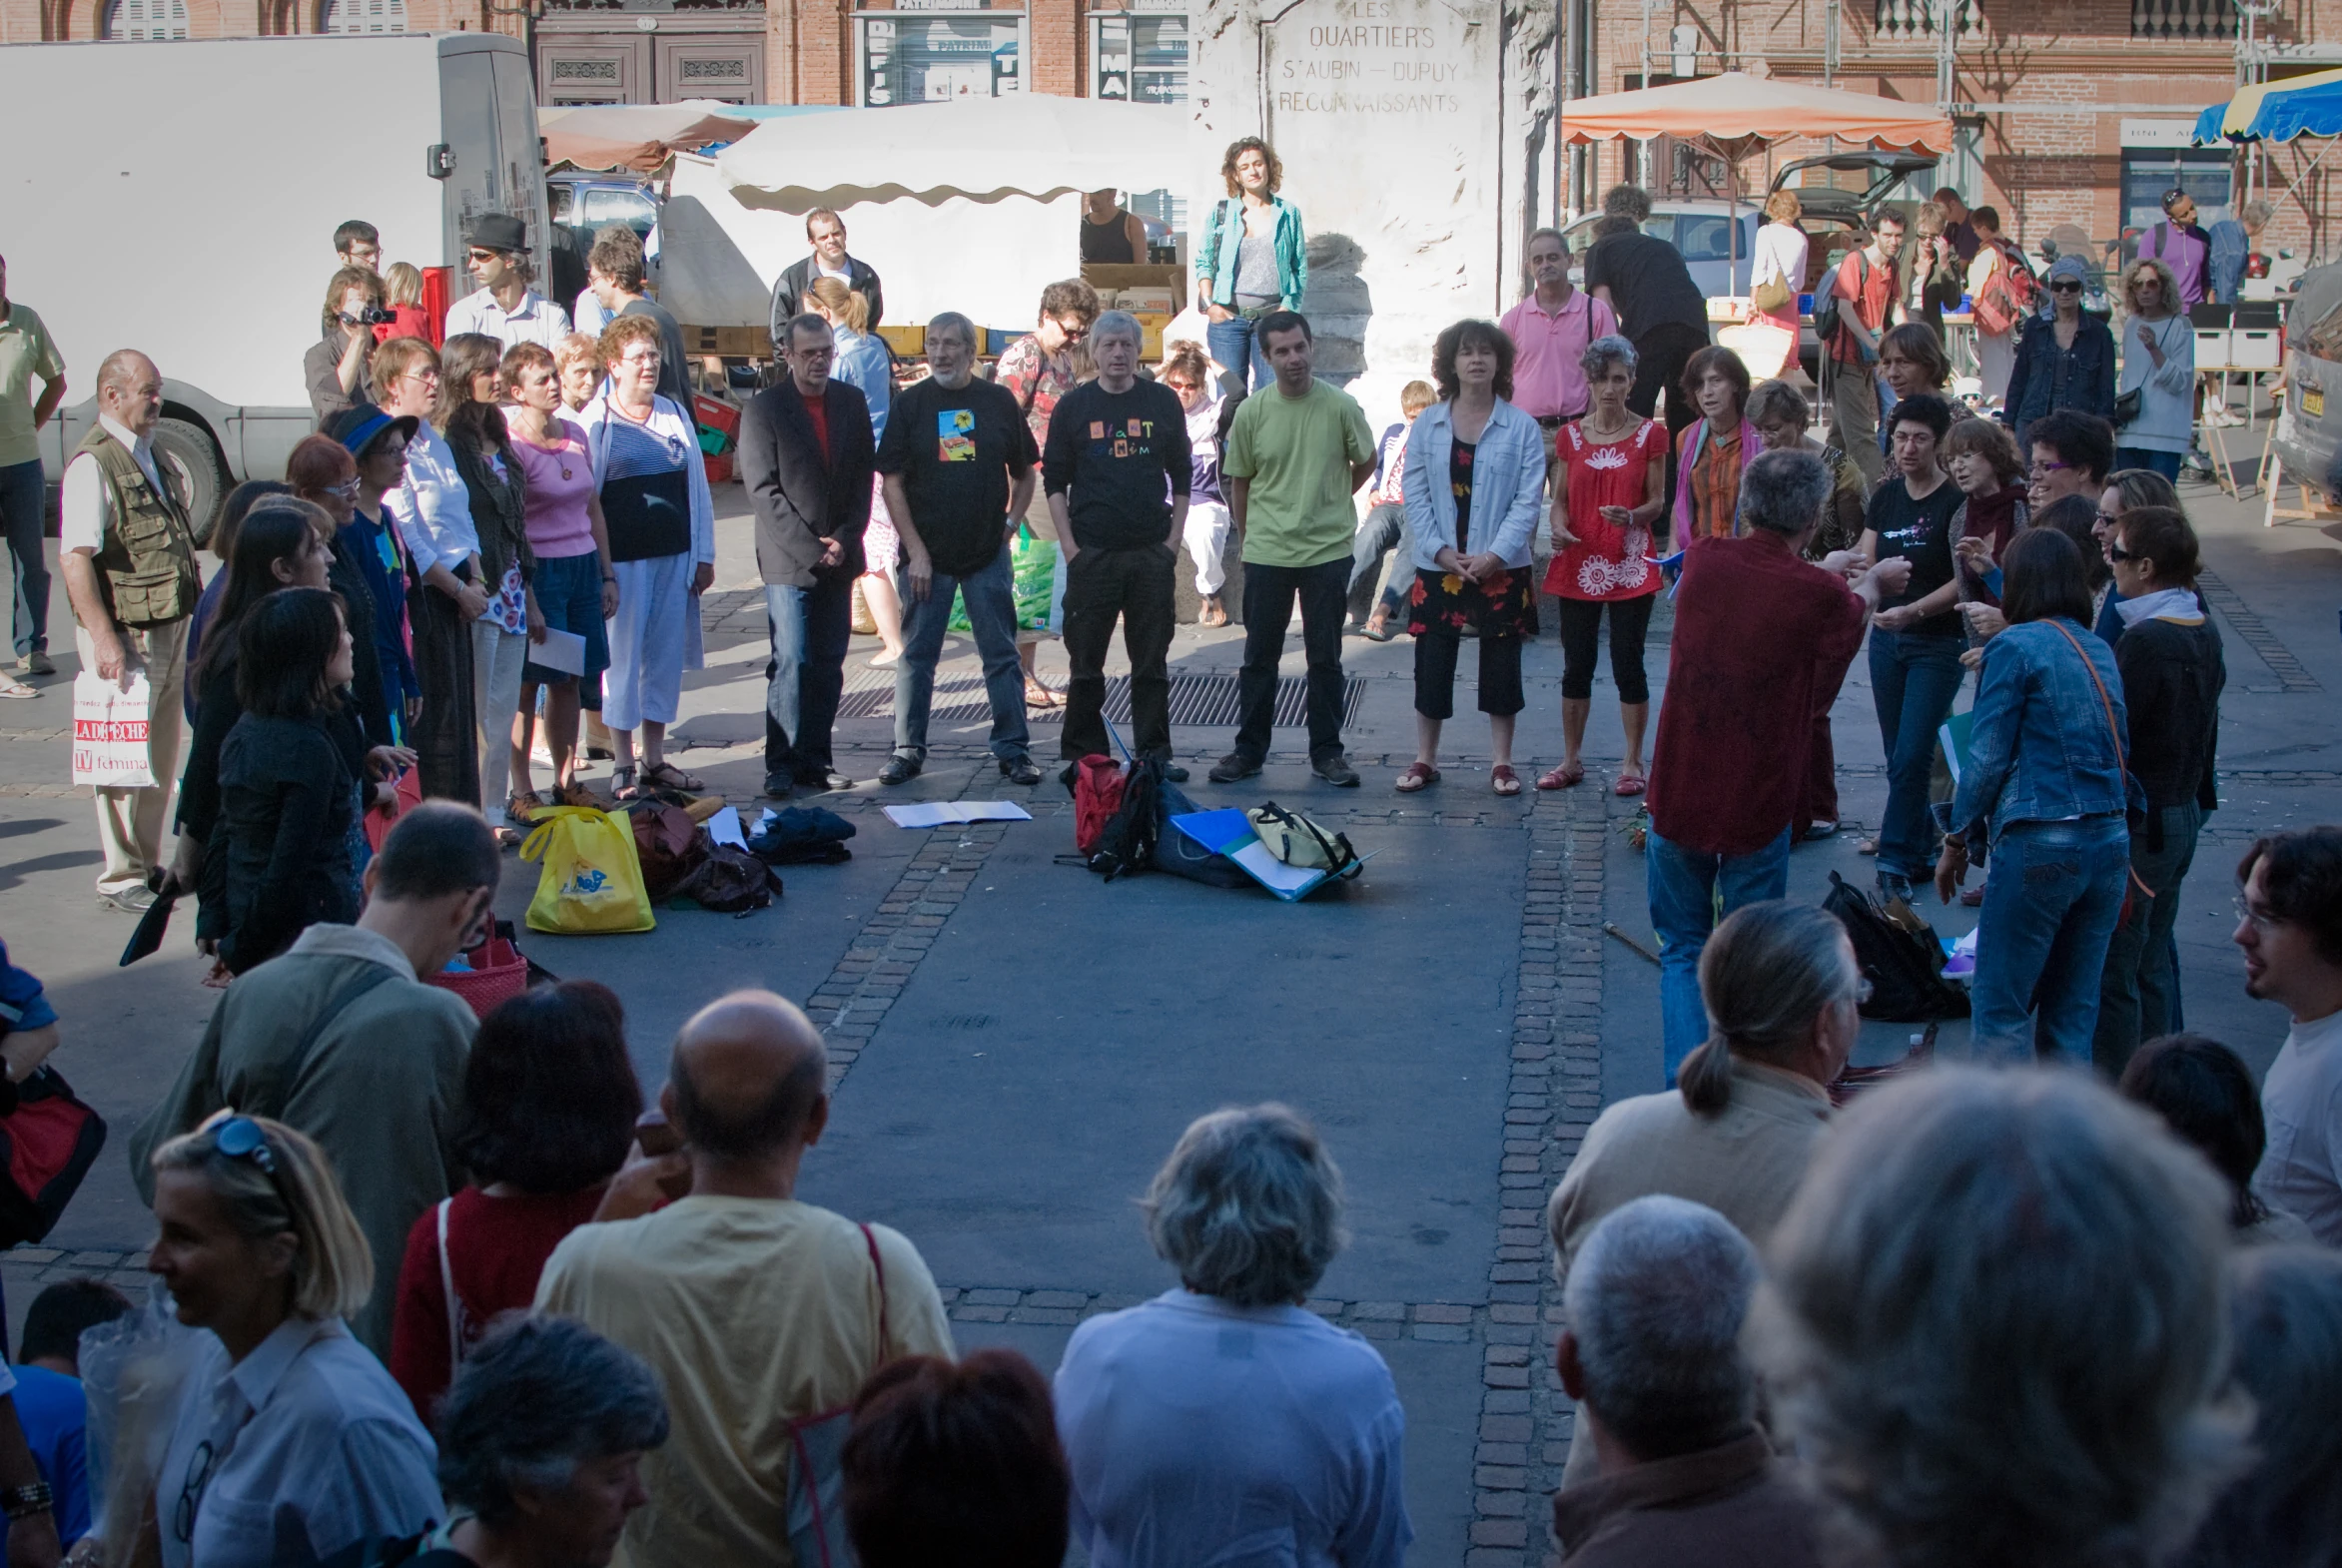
(575, 588)
(2179, 244)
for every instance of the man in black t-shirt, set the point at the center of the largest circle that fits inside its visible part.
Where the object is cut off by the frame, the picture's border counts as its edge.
(958, 466)
(1116, 445)
(1660, 308)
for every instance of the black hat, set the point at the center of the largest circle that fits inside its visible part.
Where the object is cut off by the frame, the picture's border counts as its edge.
(500, 232)
(358, 428)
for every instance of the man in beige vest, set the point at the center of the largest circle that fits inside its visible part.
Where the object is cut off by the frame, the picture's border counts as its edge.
(128, 553)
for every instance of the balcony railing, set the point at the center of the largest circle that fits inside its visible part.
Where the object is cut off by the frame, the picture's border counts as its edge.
(1915, 19)
(2183, 20)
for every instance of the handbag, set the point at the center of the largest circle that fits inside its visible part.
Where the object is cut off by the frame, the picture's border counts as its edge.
(1903, 966)
(48, 1140)
(817, 1480)
(1771, 295)
(110, 732)
(2126, 407)
(592, 881)
(2135, 794)
(1297, 841)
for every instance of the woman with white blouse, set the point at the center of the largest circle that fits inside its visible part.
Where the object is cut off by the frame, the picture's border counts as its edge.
(1779, 255)
(290, 1442)
(661, 526)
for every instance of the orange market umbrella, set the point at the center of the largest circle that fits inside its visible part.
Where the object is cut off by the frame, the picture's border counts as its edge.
(1733, 113)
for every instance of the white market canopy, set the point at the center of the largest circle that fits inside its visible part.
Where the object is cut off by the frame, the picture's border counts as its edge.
(983, 148)
(1737, 112)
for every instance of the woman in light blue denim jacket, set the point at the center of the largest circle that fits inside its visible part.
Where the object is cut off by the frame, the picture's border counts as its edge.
(2047, 770)
(1250, 258)
(1474, 490)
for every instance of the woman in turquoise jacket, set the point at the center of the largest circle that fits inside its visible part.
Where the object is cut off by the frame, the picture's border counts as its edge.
(1253, 259)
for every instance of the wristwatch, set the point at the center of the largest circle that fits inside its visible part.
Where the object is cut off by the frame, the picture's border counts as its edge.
(19, 1502)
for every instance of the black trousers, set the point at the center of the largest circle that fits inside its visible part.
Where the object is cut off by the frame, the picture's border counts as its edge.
(1270, 593)
(1630, 623)
(1436, 651)
(1136, 585)
(1659, 356)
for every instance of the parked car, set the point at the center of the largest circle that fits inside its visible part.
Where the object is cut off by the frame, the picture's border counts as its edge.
(583, 205)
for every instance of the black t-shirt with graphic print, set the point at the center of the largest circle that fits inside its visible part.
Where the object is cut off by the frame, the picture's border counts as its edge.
(956, 452)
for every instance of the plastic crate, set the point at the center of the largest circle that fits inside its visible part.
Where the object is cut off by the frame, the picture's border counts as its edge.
(719, 466)
(716, 415)
(2260, 349)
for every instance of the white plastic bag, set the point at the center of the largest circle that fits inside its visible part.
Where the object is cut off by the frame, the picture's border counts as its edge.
(110, 732)
(132, 1371)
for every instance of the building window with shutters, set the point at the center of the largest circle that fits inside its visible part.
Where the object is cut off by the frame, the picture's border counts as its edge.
(362, 15)
(143, 19)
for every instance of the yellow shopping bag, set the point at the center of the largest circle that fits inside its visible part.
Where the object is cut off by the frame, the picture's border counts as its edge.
(592, 880)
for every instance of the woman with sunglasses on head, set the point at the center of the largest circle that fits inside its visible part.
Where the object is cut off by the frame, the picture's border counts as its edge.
(2158, 364)
(290, 1442)
(2064, 357)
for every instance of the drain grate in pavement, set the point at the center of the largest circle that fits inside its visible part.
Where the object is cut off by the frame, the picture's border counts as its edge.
(1195, 699)
(2256, 634)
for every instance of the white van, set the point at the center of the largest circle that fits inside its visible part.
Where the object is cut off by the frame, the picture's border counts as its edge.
(180, 197)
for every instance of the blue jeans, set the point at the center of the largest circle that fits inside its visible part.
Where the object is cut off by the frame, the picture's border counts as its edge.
(1912, 680)
(991, 597)
(807, 673)
(2051, 905)
(1685, 888)
(2165, 464)
(22, 492)
(1235, 345)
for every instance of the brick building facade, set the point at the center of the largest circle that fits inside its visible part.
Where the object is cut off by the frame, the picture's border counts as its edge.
(2068, 113)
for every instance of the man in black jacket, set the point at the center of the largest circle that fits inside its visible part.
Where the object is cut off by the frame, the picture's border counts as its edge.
(806, 455)
(827, 231)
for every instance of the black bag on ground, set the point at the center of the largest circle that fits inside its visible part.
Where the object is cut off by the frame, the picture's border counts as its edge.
(730, 882)
(1127, 842)
(1181, 855)
(803, 835)
(1905, 966)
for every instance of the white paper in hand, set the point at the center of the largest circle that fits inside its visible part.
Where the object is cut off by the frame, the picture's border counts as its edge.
(562, 651)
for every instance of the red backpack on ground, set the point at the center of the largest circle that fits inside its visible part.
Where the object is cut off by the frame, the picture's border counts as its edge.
(1097, 795)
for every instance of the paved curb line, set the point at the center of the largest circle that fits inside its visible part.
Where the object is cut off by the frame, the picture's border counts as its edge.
(1440, 1322)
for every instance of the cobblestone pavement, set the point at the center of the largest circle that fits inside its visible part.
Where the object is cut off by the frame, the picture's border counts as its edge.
(1015, 1045)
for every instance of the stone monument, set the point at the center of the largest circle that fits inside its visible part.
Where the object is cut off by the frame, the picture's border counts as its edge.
(1411, 132)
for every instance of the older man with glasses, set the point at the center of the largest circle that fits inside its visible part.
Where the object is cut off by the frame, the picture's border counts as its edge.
(958, 466)
(1039, 368)
(505, 308)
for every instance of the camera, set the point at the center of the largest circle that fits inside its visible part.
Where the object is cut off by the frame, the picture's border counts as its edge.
(372, 316)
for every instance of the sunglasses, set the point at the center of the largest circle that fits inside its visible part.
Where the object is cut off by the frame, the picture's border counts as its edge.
(478, 254)
(2068, 286)
(2116, 552)
(240, 1137)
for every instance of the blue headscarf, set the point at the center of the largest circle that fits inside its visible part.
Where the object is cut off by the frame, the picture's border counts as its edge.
(2063, 267)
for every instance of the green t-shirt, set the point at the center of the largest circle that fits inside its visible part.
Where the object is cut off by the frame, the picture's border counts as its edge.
(1297, 453)
(26, 352)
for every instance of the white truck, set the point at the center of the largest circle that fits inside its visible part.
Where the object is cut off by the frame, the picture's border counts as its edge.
(180, 197)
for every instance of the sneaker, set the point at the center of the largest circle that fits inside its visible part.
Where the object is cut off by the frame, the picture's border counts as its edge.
(1172, 773)
(38, 663)
(1821, 830)
(1336, 770)
(1019, 770)
(1235, 765)
(779, 785)
(898, 769)
(130, 901)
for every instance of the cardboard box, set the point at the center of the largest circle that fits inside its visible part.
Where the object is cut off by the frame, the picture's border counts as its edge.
(908, 341)
(729, 343)
(2256, 348)
(1111, 279)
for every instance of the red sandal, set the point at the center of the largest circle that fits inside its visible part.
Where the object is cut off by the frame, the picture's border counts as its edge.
(1418, 775)
(1503, 780)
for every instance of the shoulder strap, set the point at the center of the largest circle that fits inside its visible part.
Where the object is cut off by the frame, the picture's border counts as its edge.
(448, 1289)
(2113, 734)
(880, 1270)
(372, 976)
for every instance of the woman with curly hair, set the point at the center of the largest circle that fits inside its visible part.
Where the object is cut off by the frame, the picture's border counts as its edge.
(2159, 366)
(1475, 480)
(1254, 259)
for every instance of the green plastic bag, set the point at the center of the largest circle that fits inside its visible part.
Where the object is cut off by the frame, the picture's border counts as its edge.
(1032, 563)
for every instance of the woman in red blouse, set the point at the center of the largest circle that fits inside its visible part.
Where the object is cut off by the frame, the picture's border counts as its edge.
(549, 1104)
(1608, 492)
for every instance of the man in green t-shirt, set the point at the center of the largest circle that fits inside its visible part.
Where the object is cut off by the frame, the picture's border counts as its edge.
(1295, 454)
(26, 354)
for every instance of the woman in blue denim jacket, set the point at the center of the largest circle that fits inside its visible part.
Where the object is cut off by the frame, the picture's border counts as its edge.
(1251, 258)
(2047, 769)
(2064, 357)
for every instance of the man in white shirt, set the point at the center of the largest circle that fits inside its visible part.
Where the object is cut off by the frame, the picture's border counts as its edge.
(127, 548)
(505, 308)
(2290, 926)
(755, 1309)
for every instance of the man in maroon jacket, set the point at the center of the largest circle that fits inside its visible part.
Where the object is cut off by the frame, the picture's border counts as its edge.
(1758, 632)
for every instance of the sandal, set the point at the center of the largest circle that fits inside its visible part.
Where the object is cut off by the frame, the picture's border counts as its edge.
(1418, 775)
(10, 686)
(1866, 847)
(1503, 780)
(575, 794)
(1563, 776)
(1040, 695)
(622, 784)
(1630, 784)
(667, 776)
(523, 805)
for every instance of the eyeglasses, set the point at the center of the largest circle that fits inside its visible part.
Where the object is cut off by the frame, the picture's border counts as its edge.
(1075, 332)
(2107, 519)
(648, 359)
(240, 1137)
(191, 1492)
(2261, 922)
(2065, 286)
(2041, 470)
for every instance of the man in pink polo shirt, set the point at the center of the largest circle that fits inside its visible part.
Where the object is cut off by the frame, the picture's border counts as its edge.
(1549, 331)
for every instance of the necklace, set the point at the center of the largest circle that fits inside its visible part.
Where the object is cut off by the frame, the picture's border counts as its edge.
(1601, 435)
(560, 450)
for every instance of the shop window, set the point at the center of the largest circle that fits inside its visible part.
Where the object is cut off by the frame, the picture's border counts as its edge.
(915, 59)
(1138, 56)
(2147, 173)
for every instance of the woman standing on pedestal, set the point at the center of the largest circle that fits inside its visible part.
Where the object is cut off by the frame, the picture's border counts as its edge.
(1253, 260)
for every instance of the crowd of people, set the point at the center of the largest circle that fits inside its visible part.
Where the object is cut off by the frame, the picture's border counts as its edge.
(457, 1295)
